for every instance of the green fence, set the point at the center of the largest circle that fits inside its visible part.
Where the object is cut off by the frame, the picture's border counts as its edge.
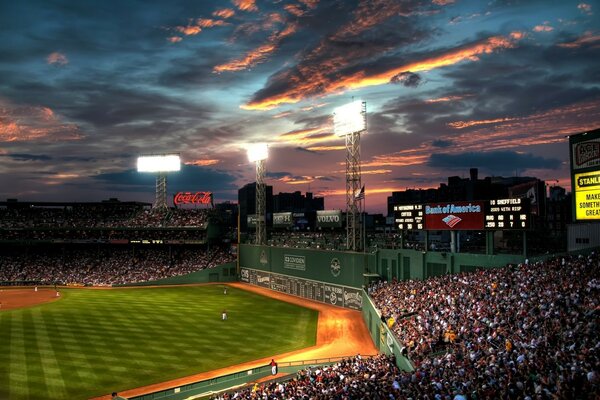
(220, 273)
(382, 336)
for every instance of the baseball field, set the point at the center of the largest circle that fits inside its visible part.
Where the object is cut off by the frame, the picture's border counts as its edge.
(92, 342)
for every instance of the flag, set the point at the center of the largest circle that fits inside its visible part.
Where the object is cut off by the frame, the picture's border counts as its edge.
(361, 194)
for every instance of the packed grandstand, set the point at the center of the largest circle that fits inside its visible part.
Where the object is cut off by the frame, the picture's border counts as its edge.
(526, 331)
(520, 332)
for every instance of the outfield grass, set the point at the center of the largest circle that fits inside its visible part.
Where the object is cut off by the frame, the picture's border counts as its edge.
(92, 342)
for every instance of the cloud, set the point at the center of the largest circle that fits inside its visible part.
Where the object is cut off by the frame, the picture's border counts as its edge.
(407, 79)
(202, 162)
(585, 8)
(543, 28)
(34, 123)
(440, 143)
(27, 157)
(259, 54)
(245, 5)
(189, 178)
(224, 13)
(174, 39)
(296, 84)
(496, 161)
(587, 39)
(57, 58)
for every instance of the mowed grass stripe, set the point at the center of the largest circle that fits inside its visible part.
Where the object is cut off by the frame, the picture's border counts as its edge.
(105, 340)
(18, 382)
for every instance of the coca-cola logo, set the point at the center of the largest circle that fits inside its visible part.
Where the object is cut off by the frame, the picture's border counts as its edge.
(192, 198)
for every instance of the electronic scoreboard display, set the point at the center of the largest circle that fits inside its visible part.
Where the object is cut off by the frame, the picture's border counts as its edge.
(409, 216)
(506, 214)
(498, 214)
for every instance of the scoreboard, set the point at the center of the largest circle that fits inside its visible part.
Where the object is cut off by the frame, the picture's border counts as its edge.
(498, 214)
(409, 216)
(507, 214)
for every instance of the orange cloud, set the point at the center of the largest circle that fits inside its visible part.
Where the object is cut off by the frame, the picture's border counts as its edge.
(282, 114)
(446, 98)
(321, 80)
(326, 148)
(203, 163)
(57, 58)
(224, 13)
(209, 23)
(259, 54)
(467, 124)
(376, 171)
(588, 38)
(189, 30)
(174, 39)
(245, 5)
(30, 123)
(543, 28)
(305, 137)
(507, 133)
(443, 2)
(294, 9)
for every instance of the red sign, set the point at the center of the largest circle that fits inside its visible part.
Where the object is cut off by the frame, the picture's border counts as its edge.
(192, 198)
(460, 215)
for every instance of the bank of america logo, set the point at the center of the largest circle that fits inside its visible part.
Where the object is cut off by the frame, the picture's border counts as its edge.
(452, 220)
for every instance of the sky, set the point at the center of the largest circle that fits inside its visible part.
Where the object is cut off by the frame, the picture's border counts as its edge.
(88, 86)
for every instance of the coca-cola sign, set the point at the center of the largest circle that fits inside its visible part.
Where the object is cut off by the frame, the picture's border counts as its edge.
(192, 198)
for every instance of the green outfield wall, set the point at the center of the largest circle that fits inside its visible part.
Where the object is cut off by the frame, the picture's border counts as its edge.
(221, 273)
(412, 264)
(382, 336)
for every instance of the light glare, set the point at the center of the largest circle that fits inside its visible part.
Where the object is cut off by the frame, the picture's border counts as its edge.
(162, 163)
(257, 152)
(349, 118)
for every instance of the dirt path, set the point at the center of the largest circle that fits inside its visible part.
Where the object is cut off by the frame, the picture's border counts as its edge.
(340, 332)
(11, 299)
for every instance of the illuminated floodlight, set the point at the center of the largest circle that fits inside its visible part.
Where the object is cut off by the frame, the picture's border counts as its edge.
(257, 152)
(349, 118)
(159, 163)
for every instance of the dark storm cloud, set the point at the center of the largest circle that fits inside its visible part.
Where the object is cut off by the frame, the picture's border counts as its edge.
(407, 79)
(497, 161)
(277, 175)
(442, 143)
(27, 157)
(189, 178)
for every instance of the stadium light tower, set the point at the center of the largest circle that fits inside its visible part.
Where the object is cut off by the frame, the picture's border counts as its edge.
(159, 164)
(258, 153)
(350, 121)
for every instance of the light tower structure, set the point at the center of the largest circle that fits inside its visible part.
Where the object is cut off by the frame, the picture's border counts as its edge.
(159, 164)
(350, 121)
(258, 154)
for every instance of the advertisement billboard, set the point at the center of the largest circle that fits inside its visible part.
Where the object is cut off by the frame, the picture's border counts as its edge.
(329, 219)
(586, 154)
(282, 220)
(196, 198)
(587, 196)
(459, 215)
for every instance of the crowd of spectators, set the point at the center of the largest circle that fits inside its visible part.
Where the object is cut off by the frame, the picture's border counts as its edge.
(525, 332)
(323, 240)
(95, 216)
(102, 235)
(522, 332)
(107, 265)
(353, 378)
